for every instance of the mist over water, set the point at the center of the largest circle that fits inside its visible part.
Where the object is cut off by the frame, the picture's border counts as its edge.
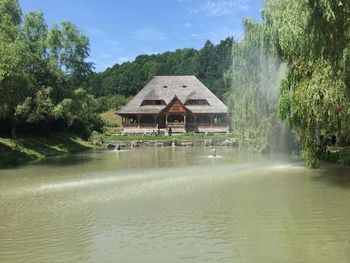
(272, 72)
(174, 205)
(253, 99)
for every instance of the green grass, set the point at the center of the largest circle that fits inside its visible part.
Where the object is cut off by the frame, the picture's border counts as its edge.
(111, 118)
(28, 148)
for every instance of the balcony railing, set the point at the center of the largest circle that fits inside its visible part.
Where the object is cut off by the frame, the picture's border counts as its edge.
(142, 125)
(148, 125)
(176, 125)
(207, 125)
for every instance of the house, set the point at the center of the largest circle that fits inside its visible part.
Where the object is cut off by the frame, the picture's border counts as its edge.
(181, 103)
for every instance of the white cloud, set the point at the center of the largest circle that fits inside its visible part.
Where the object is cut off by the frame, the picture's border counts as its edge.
(195, 35)
(216, 7)
(188, 24)
(148, 33)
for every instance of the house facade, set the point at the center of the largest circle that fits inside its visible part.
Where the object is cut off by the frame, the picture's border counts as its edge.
(180, 103)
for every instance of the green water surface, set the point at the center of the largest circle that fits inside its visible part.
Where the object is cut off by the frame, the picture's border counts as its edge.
(174, 205)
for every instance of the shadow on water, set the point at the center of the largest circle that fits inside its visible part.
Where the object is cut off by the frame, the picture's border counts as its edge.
(67, 160)
(334, 176)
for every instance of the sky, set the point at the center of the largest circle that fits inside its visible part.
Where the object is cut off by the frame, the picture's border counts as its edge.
(120, 30)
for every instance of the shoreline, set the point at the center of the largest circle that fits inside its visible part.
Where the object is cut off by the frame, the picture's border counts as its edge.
(128, 141)
(28, 148)
(165, 143)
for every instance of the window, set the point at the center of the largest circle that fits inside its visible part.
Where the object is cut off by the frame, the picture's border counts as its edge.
(197, 102)
(153, 102)
(147, 119)
(220, 119)
(203, 119)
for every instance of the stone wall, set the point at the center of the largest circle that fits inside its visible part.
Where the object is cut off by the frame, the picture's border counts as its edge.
(156, 143)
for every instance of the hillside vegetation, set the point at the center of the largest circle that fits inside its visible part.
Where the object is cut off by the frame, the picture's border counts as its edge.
(209, 64)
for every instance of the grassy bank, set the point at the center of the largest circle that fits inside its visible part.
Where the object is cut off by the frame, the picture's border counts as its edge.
(28, 148)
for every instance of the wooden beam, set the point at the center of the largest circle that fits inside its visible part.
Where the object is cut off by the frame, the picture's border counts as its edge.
(138, 120)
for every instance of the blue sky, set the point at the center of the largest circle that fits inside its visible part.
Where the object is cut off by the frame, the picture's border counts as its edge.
(120, 30)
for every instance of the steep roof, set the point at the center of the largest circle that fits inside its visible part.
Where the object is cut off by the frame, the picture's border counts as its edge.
(166, 88)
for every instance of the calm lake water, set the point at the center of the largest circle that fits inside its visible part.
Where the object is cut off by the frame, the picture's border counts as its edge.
(174, 205)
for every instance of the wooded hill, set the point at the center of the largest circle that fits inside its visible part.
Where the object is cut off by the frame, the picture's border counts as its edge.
(209, 64)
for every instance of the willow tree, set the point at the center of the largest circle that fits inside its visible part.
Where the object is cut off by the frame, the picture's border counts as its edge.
(254, 77)
(313, 37)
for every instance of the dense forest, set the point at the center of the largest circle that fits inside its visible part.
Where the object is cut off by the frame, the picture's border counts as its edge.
(209, 64)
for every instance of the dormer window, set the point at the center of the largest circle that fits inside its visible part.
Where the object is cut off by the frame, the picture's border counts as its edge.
(201, 102)
(165, 86)
(153, 102)
(184, 86)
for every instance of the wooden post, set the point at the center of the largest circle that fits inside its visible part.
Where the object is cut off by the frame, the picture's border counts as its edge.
(166, 121)
(211, 121)
(138, 121)
(184, 121)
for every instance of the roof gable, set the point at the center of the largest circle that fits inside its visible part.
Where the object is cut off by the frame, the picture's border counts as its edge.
(175, 106)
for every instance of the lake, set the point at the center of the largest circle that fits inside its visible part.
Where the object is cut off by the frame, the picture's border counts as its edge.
(174, 205)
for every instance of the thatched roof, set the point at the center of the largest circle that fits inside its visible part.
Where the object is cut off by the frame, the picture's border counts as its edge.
(166, 88)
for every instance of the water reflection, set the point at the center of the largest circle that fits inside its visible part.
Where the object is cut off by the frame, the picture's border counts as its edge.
(176, 205)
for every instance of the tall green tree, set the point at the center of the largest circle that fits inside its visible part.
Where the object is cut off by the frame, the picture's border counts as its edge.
(42, 71)
(14, 78)
(68, 50)
(34, 33)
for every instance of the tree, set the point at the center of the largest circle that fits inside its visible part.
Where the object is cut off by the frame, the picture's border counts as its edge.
(14, 79)
(41, 69)
(34, 33)
(39, 109)
(314, 41)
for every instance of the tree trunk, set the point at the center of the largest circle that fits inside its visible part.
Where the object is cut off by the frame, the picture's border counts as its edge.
(13, 127)
(49, 127)
(318, 136)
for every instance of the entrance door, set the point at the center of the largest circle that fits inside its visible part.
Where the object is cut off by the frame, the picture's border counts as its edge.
(161, 121)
